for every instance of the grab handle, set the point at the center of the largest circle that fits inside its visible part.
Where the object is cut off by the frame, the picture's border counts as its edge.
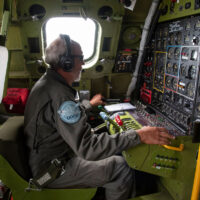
(180, 148)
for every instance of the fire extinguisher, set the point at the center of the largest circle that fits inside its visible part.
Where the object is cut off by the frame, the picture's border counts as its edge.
(2, 190)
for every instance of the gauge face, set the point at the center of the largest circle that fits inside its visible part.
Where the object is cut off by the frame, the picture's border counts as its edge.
(180, 100)
(158, 44)
(169, 67)
(174, 84)
(175, 68)
(165, 32)
(192, 72)
(171, 39)
(176, 53)
(185, 53)
(188, 26)
(187, 38)
(162, 69)
(168, 81)
(198, 107)
(181, 86)
(183, 70)
(190, 89)
(170, 53)
(178, 38)
(164, 44)
(197, 25)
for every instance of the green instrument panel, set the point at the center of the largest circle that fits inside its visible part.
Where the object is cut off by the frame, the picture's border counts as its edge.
(157, 159)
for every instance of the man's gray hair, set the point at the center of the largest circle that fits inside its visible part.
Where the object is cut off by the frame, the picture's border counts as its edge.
(54, 51)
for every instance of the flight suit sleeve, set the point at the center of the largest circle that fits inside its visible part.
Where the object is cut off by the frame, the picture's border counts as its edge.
(86, 104)
(92, 146)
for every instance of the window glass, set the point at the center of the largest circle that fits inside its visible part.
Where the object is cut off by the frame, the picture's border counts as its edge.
(81, 30)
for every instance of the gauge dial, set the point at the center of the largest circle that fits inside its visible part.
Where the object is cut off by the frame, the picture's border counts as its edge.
(168, 81)
(183, 70)
(158, 44)
(174, 84)
(169, 67)
(171, 39)
(175, 68)
(198, 107)
(181, 86)
(192, 72)
(190, 89)
(197, 25)
(164, 44)
(170, 53)
(187, 38)
(185, 53)
(188, 26)
(178, 38)
(176, 53)
(165, 32)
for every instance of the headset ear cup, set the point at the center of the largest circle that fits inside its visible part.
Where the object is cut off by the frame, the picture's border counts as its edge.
(66, 63)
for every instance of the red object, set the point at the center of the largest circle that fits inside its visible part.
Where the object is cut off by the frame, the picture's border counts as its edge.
(145, 94)
(118, 120)
(15, 100)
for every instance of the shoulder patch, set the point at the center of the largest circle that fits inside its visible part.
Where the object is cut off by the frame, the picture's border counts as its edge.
(69, 112)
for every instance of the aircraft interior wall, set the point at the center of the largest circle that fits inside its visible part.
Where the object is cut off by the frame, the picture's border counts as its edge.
(167, 91)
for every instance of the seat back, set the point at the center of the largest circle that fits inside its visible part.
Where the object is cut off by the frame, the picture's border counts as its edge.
(12, 146)
(3, 67)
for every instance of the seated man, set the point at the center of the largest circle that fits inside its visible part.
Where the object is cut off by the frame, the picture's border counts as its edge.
(56, 127)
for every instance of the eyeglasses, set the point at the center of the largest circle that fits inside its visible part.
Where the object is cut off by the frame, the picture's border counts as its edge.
(80, 57)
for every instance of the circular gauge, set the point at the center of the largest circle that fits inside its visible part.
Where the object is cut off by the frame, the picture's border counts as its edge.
(165, 32)
(188, 26)
(180, 100)
(198, 107)
(185, 53)
(197, 25)
(174, 83)
(171, 39)
(176, 53)
(178, 38)
(192, 72)
(169, 67)
(187, 38)
(162, 69)
(175, 68)
(181, 86)
(131, 35)
(168, 81)
(170, 53)
(190, 89)
(183, 70)
(164, 44)
(158, 44)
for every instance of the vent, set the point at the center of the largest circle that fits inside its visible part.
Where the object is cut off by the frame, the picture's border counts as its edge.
(34, 45)
(106, 44)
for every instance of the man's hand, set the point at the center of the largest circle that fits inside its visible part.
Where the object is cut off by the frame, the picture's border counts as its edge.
(154, 135)
(97, 100)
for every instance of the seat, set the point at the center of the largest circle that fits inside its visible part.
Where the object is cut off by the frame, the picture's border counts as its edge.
(3, 66)
(15, 173)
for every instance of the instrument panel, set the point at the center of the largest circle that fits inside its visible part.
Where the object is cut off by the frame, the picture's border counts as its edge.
(171, 71)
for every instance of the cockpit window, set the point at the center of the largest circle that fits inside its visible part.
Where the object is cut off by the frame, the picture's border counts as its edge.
(81, 30)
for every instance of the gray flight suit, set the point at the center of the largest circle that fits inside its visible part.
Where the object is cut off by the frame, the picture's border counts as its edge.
(91, 158)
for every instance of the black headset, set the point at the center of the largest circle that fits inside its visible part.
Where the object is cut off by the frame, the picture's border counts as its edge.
(66, 61)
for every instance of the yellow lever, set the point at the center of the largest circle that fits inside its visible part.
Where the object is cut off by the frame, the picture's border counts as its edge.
(180, 148)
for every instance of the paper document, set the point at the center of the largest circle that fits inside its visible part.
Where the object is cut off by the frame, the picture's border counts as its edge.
(119, 107)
